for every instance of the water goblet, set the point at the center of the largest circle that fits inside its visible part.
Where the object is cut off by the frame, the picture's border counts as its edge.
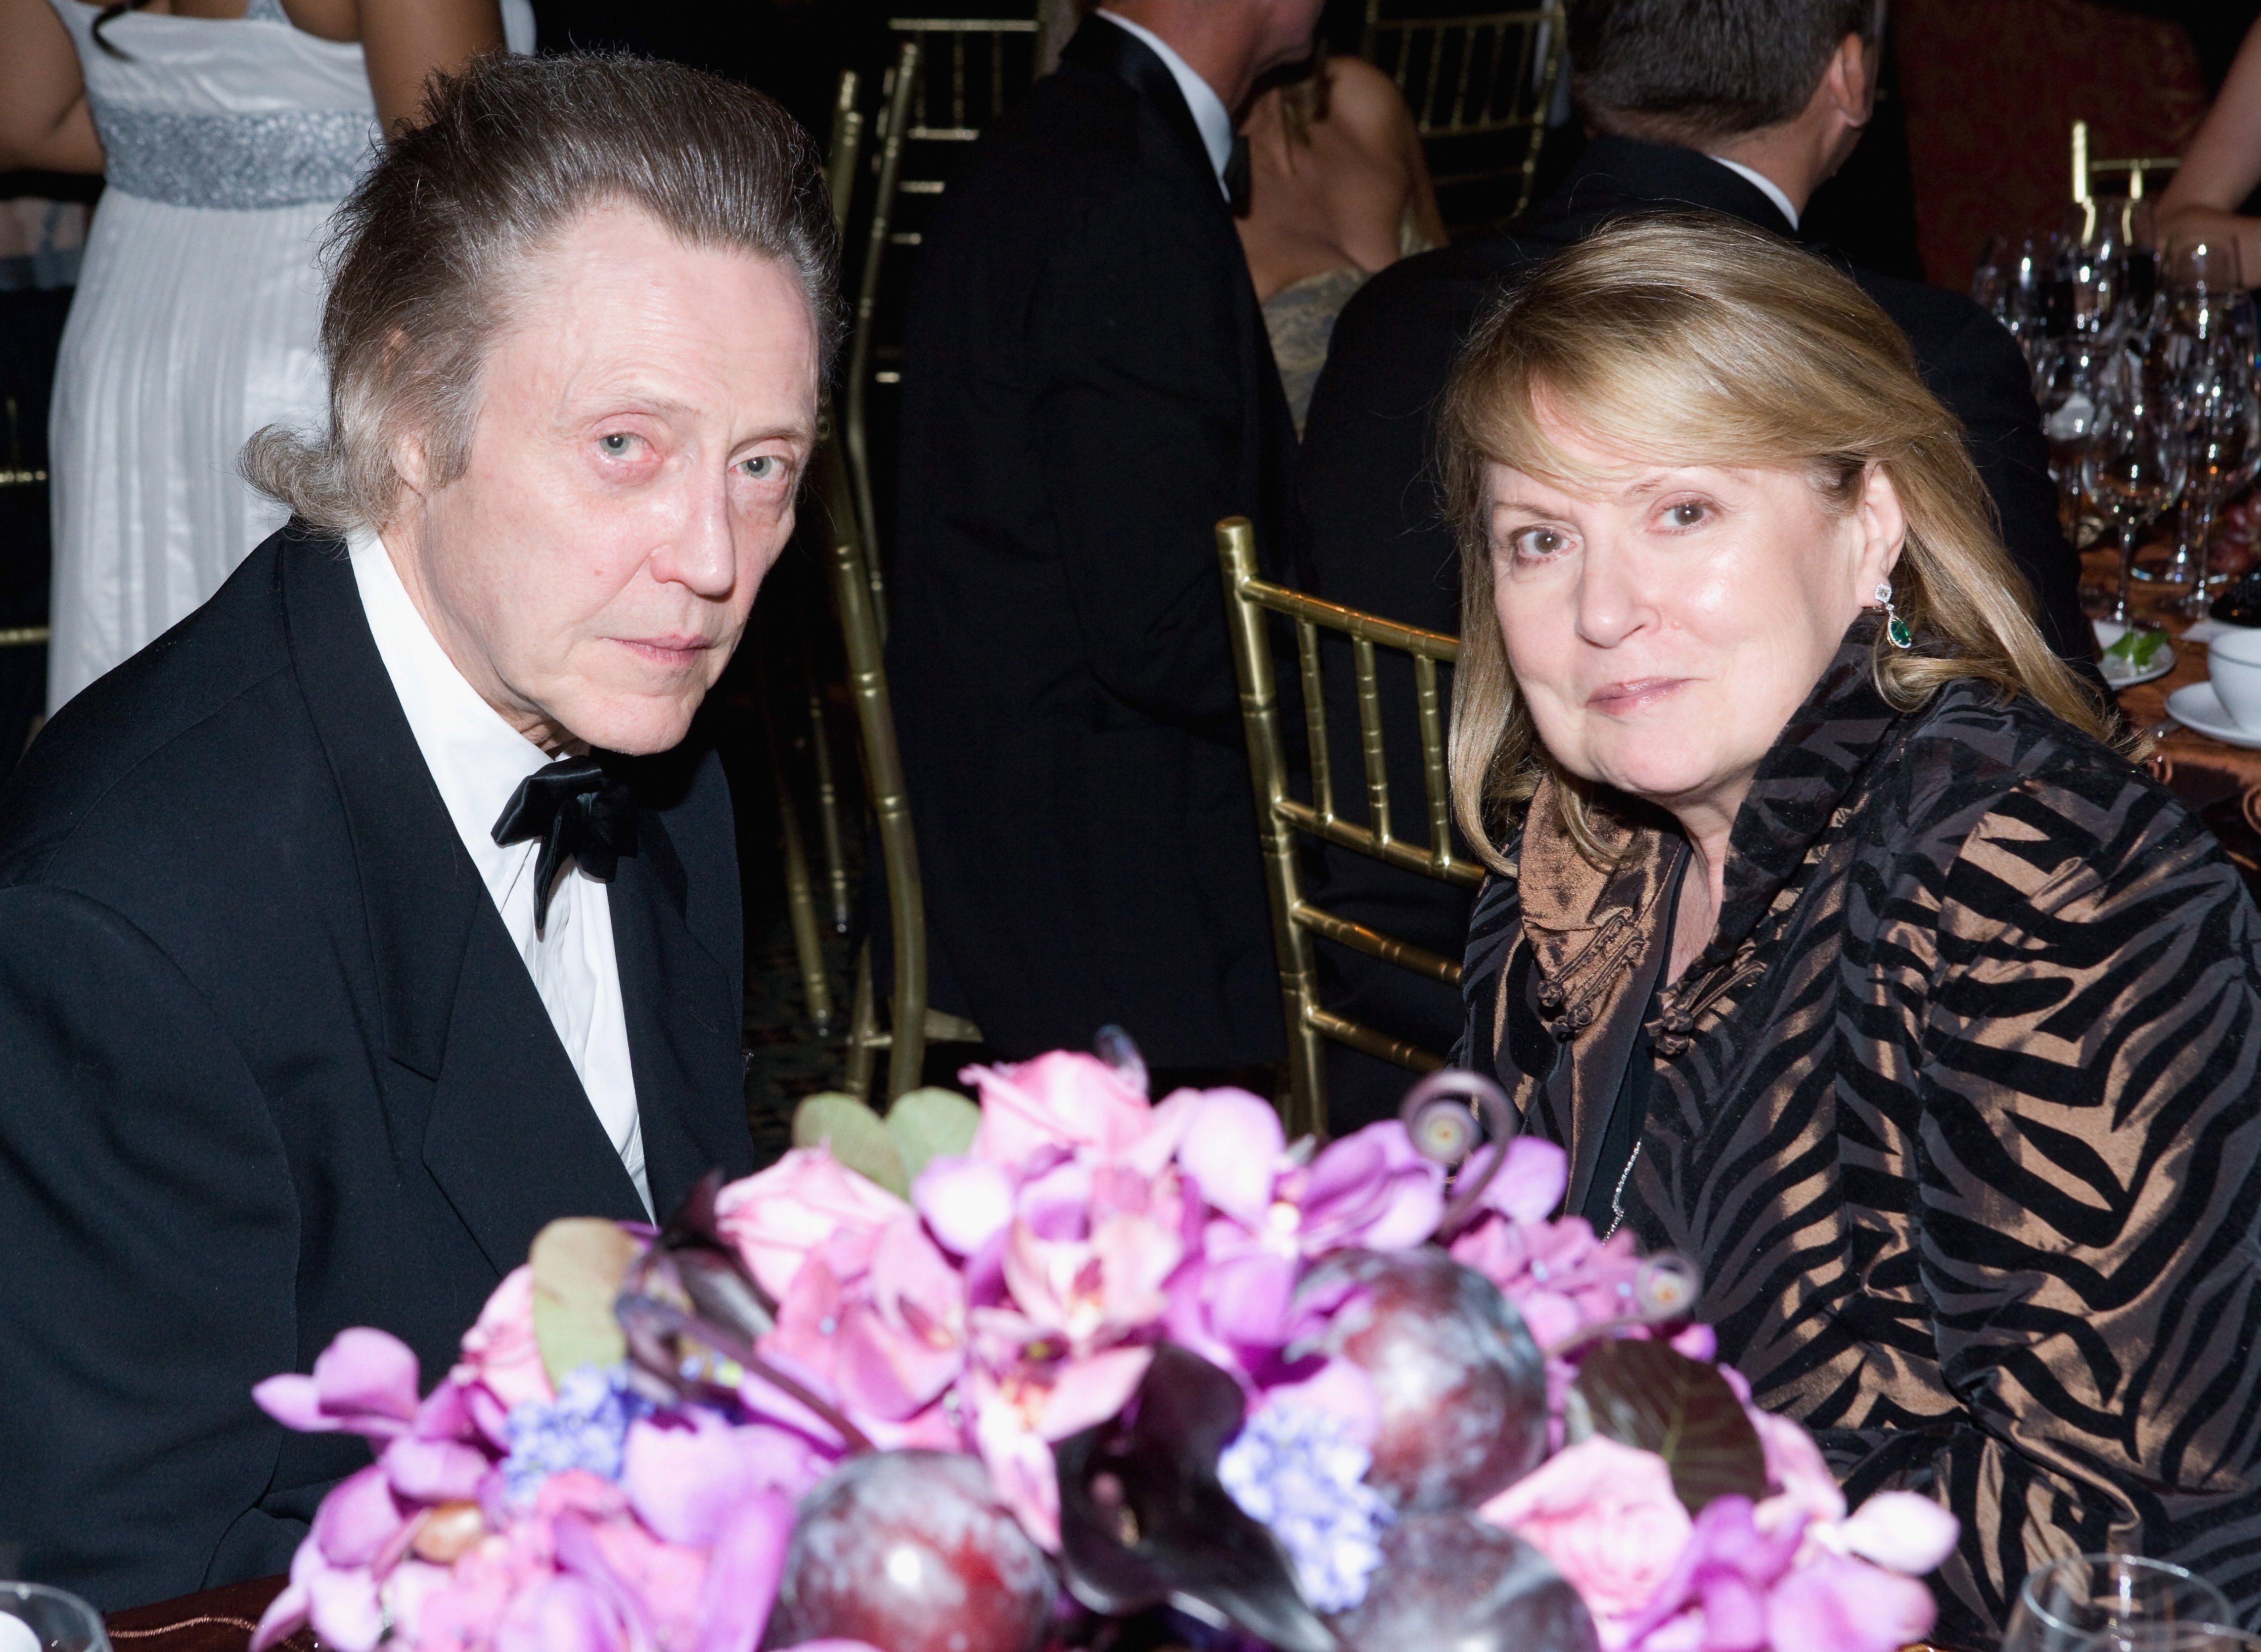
(34, 1617)
(2134, 466)
(2221, 413)
(2090, 1603)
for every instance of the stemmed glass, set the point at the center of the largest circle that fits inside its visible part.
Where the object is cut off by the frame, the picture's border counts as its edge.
(2136, 459)
(2221, 413)
(43, 1619)
(2110, 1603)
(2202, 278)
(2067, 384)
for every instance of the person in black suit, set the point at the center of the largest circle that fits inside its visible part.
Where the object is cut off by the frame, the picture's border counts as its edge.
(1088, 389)
(379, 913)
(1743, 111)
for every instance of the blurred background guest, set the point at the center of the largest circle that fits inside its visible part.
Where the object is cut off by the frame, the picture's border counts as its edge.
(1092, 391)
(1338, 189)
(2222, 167)
(227, 131)
(1744, 113)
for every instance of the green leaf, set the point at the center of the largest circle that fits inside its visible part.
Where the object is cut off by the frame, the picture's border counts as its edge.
(857, 1137)
(1642, 1394)
(926, 1123)
(579, 1264)
(2138, 649)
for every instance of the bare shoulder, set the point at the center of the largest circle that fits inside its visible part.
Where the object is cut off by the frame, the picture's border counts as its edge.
(1366, 102)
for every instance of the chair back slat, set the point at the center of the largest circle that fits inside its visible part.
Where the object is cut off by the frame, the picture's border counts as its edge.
(1315, 717)
(1281, 815)
(2135, 169)
(1480, 88)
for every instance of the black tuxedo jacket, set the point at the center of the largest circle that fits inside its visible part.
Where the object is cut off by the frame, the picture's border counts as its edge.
(1379, 540)
(1088, 388)
(270, 1066)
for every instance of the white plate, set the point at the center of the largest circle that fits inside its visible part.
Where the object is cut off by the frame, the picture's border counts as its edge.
(2196, 705)
(2110, 631)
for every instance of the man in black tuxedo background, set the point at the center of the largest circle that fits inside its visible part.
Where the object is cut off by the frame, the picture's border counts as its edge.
(379, 913)
(1088, 388)
(1744, 110)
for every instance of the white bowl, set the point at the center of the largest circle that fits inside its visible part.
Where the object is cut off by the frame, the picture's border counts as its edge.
(2233, 660)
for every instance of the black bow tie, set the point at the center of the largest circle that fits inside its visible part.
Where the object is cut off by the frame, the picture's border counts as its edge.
(581, 815)
(1236, 177)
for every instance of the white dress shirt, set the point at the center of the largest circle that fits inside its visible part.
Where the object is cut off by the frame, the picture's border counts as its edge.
(478, 760)
(1211, 118)
(1766, 186)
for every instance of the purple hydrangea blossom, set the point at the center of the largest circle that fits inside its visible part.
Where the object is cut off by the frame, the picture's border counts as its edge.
(585, 1427)
(1298, 1470)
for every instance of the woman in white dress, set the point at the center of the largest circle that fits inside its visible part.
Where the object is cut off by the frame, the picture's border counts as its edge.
(228, 131)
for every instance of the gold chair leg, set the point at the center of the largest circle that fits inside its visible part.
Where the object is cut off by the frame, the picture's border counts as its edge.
(800, 898)
(828, 805)
(863, 1031)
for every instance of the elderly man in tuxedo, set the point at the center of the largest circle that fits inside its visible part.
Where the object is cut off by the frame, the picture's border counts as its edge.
(1745, 111)
(1088, 388)
(379, 913)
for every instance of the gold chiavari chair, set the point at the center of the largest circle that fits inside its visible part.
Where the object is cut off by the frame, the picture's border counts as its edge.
(1480, 88)
(2086, 168)
(952, 78)
(15, 472)
(911, 1023)
(1280, 815)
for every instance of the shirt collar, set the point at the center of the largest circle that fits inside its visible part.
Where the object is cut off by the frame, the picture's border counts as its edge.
(476, 759)
(1765, 185)
(1211, 118)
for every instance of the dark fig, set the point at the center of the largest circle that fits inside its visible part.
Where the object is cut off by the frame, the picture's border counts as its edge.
(1450, 1581)
(1461, 1385)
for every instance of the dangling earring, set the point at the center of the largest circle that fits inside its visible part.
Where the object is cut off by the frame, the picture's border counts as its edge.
(1895, 626)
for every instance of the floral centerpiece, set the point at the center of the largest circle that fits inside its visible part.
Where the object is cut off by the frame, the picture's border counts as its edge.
(991, 1380)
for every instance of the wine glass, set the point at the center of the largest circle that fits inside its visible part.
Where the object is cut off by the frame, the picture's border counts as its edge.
(34, 1617)
(2094, 255)
(2203, 281)
(2067, 385)
(2092, 1603)
(2221, 413)
(2136, 459)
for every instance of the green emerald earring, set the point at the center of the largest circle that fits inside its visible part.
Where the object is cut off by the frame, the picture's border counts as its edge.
(1895, 626)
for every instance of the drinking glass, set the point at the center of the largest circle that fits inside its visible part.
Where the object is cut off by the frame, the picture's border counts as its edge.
(2135, 462)
(2203, 281)
(2222, 414)
(2068, 385)
(34, 1617)
(2170, 1637)
(2110, 1603)
(2093, 261)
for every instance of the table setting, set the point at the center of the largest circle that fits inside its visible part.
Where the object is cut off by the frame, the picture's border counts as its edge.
(2143, 353)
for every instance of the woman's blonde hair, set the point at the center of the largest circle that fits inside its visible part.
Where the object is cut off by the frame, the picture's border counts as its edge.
(1687, 339)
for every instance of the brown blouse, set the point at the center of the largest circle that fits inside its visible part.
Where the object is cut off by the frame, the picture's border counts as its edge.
(1959, 1112)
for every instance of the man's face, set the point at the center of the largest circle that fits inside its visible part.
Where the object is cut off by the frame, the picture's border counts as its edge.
(644, 420)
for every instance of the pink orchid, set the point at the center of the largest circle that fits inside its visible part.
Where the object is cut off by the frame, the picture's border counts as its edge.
(1902, 1531)
(1020, 1412)
(1558, 1275)
(1724, 1570)
(688, 1476)
(776, 1216)
(500, 1351)
(1062, 1100)
(877, 1317)
(1370, 1190)
(338, 1596)
(1608, 1518)
(1804, 1486)
(1842, 1605)
(364, 1382)
(1092, 1292)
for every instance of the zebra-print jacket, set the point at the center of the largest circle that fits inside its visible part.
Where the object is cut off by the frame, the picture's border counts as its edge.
(1959, 1114)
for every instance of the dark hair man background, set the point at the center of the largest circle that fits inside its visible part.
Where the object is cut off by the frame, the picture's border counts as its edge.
(1741, 109)
(1087, 389)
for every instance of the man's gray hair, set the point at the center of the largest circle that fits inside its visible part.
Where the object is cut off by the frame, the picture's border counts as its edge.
(427, 256)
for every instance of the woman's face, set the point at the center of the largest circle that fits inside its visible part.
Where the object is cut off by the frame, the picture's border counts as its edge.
(1663, 629)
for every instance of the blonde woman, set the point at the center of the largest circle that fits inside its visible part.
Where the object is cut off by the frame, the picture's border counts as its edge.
(1338, 189)
(1828, 930)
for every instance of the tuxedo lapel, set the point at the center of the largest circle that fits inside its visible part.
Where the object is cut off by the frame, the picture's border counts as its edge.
(510, 1136)
(1118, 53)
(684, 1031)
